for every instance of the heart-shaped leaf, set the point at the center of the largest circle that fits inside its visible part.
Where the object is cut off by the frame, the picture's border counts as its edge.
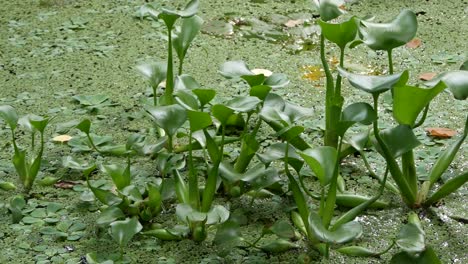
(329, 9)
(110, 215)
(243, 104)
(399, 140)
(428, 256)
(387, 36)
(10, 116)
(371, 84)
(155, 72)
(188, 30)
(187, 99)
(185, 82)
(277, 152)
(341, 33)
(409, 101)
(343, 234)
(204, 95)
(234, 69)
(356, 113)
(456, 81)
(276, 80)
(190, 9)
(169, 117)
(222, 113)
(411, 238)
(123, 231)
(322, 162)
(198, 120)
(119, 173)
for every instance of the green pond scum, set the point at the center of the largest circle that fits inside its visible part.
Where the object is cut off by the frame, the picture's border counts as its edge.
(184, 149)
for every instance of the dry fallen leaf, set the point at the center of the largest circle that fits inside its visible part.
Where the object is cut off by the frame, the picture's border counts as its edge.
(312, 72)
(427, 76)
(414, 43)
(262, 71)
(62, 138)
(440, 132)
(293, 23)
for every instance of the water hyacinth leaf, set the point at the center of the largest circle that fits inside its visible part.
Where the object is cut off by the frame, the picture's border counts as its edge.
(329, 9)
(243, 104)
(190, 9)
(444, 160)
(277, 80)
(110, 215)
(217, 215)
(170, 117)
(254, 80)
(411, 238)
(132, 193)
(7, 186)
(198, 120)
(456, 81)
(353, 200)
(162, 234)
(356, 113)
(119, 173)
(72, 163)
(341, 33)
(189, 29)
(221, 113)
(84, 126)
(371, 84)
(154, 72)
(105, 197)
(387, 36)
(278, 152)
(260, 91)
(399, 140)
(123, 231)
(357, 251)
(409, 101)
(187, 99)
(447, 188)
(278, 246)
(282, 229)
(343, 234)
(185, 82)
(234, 69)
(10, 116)
(228, 233)
(359, 141)
(154, 197)
(17, 203)
(204, 95)
(428, 256)
(322, 162)
(90, 100)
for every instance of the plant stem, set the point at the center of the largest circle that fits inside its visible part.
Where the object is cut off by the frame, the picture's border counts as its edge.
(194, 195)
(169, 99)
(407, 193)
(390, 61)
(331, 137)
(409, 170)
(423, 117)
(331, 194)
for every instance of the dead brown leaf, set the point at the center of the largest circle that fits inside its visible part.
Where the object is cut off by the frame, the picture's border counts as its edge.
(440, 132)
(427, 76)
(414, 43)
(64, 184)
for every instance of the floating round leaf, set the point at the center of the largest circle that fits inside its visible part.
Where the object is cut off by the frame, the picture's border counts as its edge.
(387, 36)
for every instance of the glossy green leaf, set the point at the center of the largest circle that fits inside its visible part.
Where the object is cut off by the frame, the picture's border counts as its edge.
(185, 82)
(228, 233)
(353, 200)
(329, 9)
(222, 113)
(204, 95)
(243, 104)
(411, 238)
(283, 229)
(341, 33)
(278, 246)
(447, 156)
(170, 117)
(123, 231)
(260, 91)
(399, 140)
(369, 83)
(356, 113)
(105, 197)
(10, 116)
(84, 126)
(277, 152)
(190, 9)
(387, 36)
(343, 234)
(290, 132)
(357, 251)
(322, 162)
(119, 173)
(110, 215)
(154, 72)
(189, 29)
(187, 99)
(428, 256)
(456, 81)
(198, 120)
(254, 80)
(276, 109)
(409, 101)
(7, 186)
(276, 80)
(447, 188)
(16, 205)
(234, 69)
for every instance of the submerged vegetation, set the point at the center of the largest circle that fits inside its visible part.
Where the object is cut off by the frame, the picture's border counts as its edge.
(200, 163)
